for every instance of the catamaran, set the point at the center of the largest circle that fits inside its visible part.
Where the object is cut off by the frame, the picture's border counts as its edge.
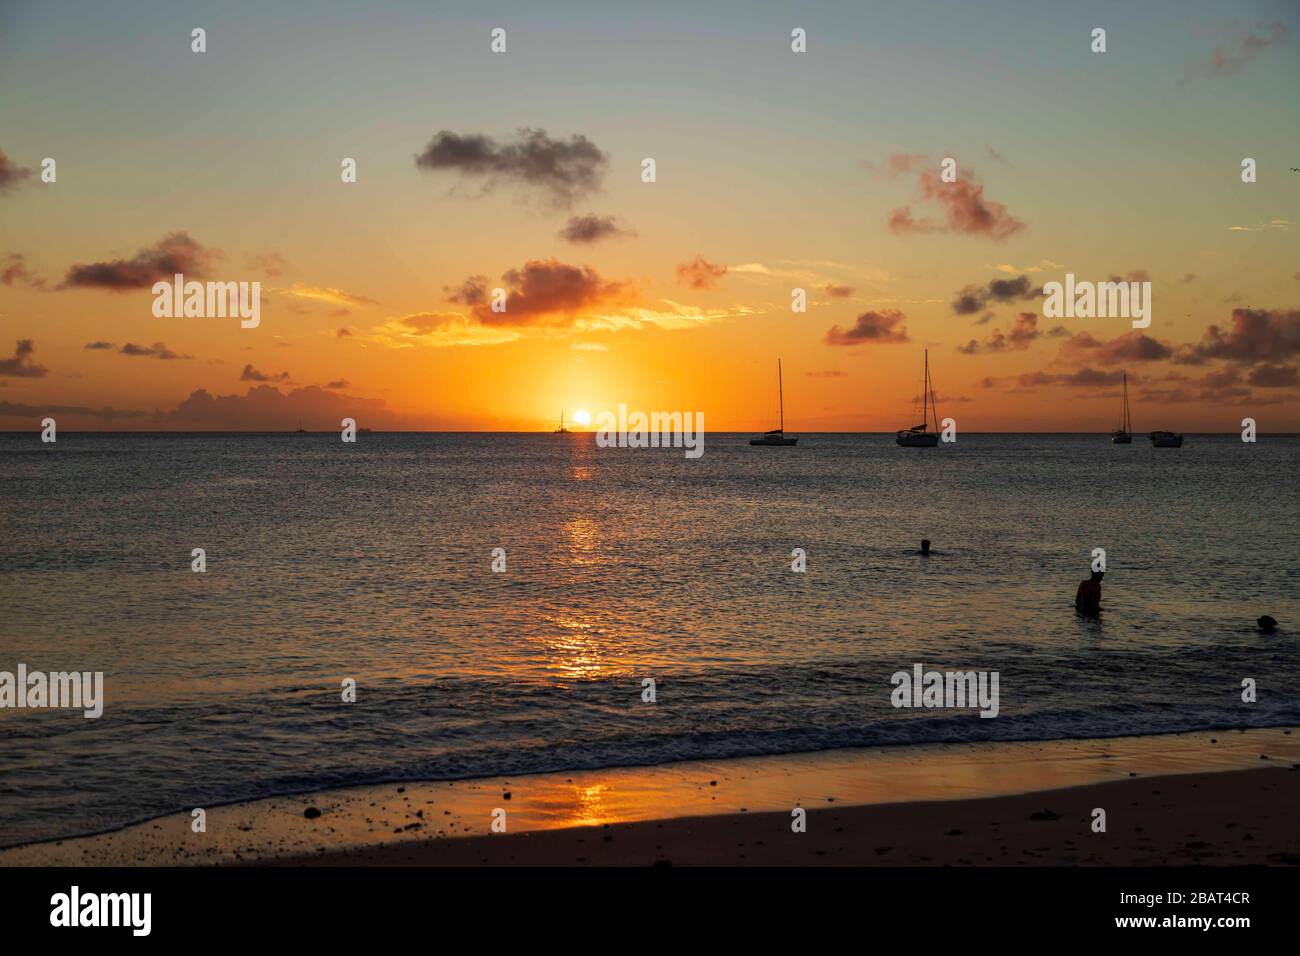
(1124, 434)
(920, 436)
(561, 430)
(777, 436)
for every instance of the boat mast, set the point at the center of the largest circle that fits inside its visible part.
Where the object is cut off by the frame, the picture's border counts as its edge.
(925, 391)
(780, 395)
(1128, 418)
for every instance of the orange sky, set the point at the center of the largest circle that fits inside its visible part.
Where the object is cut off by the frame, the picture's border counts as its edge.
(523, 171)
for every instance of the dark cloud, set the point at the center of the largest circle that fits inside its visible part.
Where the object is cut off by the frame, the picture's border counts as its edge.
(250, 374)
(174, 253)
(1007, 290)
(1023, 332)
(337, 383)
(99, 345)
(265, 407)
(1122, 350)
(343, 333)
(472, 292)
(871, 328)
(592, 228)
(700, 273)
(974, 299)
(13, 269)
(1220, 378)
(1222, 385)
(827, 373)
(542, 292)
(158, 350)
(838, 291)
(16, 410)
(1256, 335)
(21, 365)
(565, 170)
(1082, 378)
(1274, 376)
(11, 175)
(965, 210)
(1226, 386)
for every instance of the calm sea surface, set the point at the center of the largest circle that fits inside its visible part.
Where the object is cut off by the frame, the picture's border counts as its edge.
(372, 561)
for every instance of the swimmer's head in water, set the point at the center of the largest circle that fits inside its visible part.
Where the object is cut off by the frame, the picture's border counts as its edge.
(1098, 575)
(925, 546)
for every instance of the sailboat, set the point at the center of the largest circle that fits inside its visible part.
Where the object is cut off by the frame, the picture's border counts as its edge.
(777, 436)
(1124, 434)
(301, 430)
(561, 430)
(920, 436)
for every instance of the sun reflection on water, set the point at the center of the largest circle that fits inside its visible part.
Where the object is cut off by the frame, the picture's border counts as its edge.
(574, 652)
(584, 541)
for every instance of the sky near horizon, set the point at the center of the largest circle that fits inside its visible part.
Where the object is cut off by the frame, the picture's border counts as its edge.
(522, 170)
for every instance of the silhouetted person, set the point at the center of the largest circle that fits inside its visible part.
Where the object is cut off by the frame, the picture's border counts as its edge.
(1267, 624)
(925, 547)
(1087, 600)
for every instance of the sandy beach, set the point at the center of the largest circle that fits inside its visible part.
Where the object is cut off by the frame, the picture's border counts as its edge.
(1245, 817)
(1223, 798)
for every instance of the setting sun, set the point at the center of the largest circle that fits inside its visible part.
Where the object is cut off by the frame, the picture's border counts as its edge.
(582, 418)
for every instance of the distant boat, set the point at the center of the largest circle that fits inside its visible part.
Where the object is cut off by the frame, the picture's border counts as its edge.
(561, 430)
(777, 436)
(920, 436)
(301, 430)
(1124, 434)
(1166, 440)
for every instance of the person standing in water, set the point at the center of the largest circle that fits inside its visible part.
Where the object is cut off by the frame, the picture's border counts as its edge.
(1087, 600)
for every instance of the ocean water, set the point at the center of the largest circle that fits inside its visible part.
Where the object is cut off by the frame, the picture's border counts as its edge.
(372, 561)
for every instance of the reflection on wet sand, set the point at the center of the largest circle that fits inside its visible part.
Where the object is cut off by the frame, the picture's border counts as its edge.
(392, 815)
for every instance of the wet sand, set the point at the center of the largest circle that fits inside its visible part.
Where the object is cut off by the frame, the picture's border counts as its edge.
(1223, 798)
(1236, 818)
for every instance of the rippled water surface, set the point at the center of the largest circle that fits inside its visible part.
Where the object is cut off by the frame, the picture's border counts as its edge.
(372, 561)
